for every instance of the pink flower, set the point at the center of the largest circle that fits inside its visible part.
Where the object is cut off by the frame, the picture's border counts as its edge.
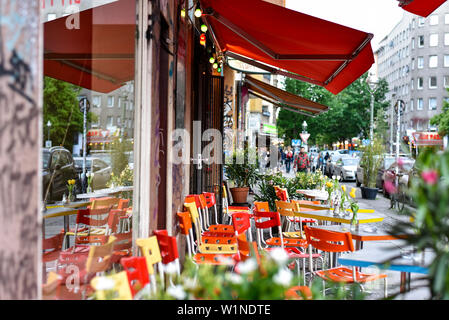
(400, 162)
(390, 187)
(430, 177)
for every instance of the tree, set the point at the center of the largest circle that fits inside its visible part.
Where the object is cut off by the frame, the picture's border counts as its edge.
(348, 115)
(61, 107)
(442, 120)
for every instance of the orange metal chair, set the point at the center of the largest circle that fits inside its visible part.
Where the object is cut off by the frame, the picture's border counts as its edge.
(185, 224)
(137, 272)
(299, 293)
(269, 220)
(105, 202)
(149, 248)
(337, 242)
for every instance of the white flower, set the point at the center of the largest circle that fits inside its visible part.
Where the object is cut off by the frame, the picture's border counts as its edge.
(105, 283)
(279, 255)
(247, 266)
(190, 283)
(171, 268)
(234, 278)
(283, 277)
(177, 292)
(333, 177)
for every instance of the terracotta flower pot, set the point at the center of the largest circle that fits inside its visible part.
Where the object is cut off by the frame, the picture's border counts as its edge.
(239, 195)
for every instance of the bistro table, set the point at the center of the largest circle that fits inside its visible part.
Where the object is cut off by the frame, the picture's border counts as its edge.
(366, 232)
(313, 194)
(389, 255)
(91, 195)
(328, 215)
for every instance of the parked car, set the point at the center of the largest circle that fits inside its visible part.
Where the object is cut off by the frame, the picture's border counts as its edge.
(330, 166)
(404, 170)
(346, 168)
(101, 170)
(58, 167)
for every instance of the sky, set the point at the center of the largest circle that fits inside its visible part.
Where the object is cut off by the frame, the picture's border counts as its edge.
(374, 16)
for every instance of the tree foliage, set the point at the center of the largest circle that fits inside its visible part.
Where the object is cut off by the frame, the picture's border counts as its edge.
(442, 120)
(348, 115)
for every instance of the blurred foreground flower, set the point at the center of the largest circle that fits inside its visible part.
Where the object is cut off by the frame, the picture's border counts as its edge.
(390, 187)
(283, 277)
(177, 292)
(430, 177)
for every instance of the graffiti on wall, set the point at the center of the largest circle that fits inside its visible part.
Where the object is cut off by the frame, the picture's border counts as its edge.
(19, 115)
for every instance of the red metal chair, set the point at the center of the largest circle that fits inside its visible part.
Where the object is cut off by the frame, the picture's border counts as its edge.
(337, 242)
(137, 272)
(169, 249)
(211, 202)
(51, 248)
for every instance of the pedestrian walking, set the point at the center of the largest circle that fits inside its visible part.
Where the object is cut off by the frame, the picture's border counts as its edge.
(288, 159)
(302, 162)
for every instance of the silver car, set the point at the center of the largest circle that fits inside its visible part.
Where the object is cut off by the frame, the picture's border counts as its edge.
(100, 169)
(346, 168)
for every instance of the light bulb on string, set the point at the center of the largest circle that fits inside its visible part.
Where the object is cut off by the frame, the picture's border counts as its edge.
(215, 65)
(203, 28)
(203, 39)
(212, 60)
(183, 13)
(219, 70)
(198, 12)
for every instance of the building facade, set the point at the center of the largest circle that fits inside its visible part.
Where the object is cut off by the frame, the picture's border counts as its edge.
(414, 59)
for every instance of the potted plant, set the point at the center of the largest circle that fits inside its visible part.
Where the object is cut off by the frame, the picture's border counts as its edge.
(242, 170)
(371, 162)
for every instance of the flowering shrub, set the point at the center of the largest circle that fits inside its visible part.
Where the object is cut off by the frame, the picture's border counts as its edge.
(430, 221)
(125, 178)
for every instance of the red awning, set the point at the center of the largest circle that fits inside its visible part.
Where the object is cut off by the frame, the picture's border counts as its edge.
(319, 51)
(420, 7)
(100, 54)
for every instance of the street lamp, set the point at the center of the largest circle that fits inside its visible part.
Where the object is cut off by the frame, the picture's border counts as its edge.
(304, 126)
(47, 143)
(372, 84)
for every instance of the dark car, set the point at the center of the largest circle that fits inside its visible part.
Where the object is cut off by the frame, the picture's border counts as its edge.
(58, 167)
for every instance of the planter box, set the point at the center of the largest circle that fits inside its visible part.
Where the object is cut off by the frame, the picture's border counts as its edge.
(239, 195)
(369, 193)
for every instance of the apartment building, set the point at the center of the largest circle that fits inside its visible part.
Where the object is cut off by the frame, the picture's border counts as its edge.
(414, 59)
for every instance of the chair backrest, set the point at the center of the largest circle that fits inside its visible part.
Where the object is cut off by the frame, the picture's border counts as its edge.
(261, 206)
(99, 258)
(123, 204)
(123, 241)
(167, 246)
(299, 203)
(137, 271)
(241, 222)
(114, 219)
(330, 241)
(202, 201)
(210, 199)
(281, 193)
(104, 202)
(286, 209)
(274, 219)
(194, 216)
(149, 248)
(185, 222)
(121, 289)
(51, 247)
(193, 198)
(92, 217)
(92, 239)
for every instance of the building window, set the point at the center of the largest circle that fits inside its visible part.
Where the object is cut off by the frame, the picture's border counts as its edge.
(446, 39)
(433, 21)
(96, 101)
(432, 82)
(446, 18)
(433, 40)
(119, 121)
(420, 83)
(110, 101)
(433, 61)
(432, 103)
(411, 105)
(413, 63)
(419, 104)
(421, 21)
(446, 60)
(446, 81)
(420, 62)
(420, 41)
(119, 102)
(110, 122)
(412, 84)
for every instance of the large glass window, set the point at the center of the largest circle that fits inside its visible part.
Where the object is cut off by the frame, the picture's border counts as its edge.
(432, 103)
(433, 61)
(89, 67)
(433, 40)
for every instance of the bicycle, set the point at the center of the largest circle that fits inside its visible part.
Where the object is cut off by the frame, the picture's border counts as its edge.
(399, 198)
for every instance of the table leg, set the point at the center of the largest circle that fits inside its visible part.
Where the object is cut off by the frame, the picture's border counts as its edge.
(405, 282)
(66, 229)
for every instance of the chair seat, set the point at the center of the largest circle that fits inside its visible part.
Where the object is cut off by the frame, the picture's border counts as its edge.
(288, 242)
(293, 235)
(214, 259)
(343, 274)
(299, 219)
(226, 239)
(83, 232)
(295, 253)
(221, 228)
